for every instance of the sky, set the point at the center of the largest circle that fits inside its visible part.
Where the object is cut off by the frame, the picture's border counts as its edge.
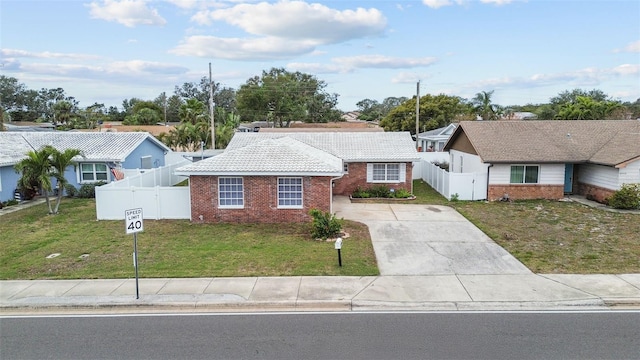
(106, 51)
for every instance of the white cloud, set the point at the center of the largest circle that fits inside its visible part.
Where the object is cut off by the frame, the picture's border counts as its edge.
(15, 53)
(352, 63)
(408, 77)
(436, 4)
(299, 20)
(496, 2)
(587, 76)
(633, 47)
(126, 12)
(269, 48)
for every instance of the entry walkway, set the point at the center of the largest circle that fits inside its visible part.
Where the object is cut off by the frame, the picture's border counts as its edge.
(411, 239)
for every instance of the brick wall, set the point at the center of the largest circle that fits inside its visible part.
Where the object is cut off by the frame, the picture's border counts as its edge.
(526, 191)
(357, 176)
(595, 193)
(260, 200)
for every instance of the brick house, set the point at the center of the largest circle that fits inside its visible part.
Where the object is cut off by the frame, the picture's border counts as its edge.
(547, 159)
(279, 177)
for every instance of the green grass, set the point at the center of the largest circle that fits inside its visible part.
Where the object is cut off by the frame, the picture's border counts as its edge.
(553, 236)
(169, 248)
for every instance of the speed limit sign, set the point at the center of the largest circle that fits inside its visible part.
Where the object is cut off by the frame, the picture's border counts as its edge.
(133, 220)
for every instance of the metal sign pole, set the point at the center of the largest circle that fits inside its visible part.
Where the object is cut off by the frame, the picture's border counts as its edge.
(135, 261)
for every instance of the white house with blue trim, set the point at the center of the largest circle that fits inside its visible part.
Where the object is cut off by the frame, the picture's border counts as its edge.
(105, 156)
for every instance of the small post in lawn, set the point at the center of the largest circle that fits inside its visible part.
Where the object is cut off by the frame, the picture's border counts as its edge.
(338, 246)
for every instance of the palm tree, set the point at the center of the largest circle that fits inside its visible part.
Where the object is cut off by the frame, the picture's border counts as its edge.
(40, 166)
(60, 161)
(483, 106)
(36, 173)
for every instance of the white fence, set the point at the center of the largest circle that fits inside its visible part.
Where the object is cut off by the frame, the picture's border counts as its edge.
(428, 158)
(467, 186)
(151, 190)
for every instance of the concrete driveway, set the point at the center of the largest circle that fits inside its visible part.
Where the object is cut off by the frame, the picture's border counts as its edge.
(411, 239)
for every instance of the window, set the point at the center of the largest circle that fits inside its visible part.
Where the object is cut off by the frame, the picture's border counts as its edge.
(345, 168)
(290, 193)
(230, 192)
(524, 174)
(386, 173)
(94, 172)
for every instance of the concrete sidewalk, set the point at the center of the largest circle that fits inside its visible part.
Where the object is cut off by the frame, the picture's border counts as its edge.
(317, 293)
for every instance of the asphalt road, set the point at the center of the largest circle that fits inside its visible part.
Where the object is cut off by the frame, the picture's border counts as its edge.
(552, 335)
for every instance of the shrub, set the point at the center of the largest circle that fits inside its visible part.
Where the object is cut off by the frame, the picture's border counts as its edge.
(628, 197)
(380, 191)
(325, 225)
(70, 190)
(360, 193)
(455, 197)
(401, 194)
(88, 191)
(442, 165)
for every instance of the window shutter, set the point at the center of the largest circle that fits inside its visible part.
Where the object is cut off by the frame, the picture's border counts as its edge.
(369, 172)
(403, 172)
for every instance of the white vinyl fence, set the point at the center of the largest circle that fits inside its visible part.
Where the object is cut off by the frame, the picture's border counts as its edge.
(466, 186)
(152, 190)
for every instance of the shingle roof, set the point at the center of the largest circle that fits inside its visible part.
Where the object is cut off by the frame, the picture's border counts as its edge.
(607, 142)
(350, 146)
(95, 146)
(281, 156)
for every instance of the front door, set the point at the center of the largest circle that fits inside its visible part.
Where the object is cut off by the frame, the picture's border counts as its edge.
(568, 178)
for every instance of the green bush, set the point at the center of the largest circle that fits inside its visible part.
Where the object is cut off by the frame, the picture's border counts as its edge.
(88, 191)
(70, 190)
(325, 224)
(380, 191)
(360, 193)
(401, 194)
(628, 197)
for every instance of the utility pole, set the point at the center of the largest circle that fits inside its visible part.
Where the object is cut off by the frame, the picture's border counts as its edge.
(211, 104)
(164, 100)
(417, 113)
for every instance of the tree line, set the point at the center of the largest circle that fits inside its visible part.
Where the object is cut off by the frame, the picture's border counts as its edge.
(281, 97)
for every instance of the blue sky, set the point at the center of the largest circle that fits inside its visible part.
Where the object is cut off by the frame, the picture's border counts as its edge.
(106, 51)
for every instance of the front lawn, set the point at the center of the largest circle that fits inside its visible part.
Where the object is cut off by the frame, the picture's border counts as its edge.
(168, 248)
(553, 236)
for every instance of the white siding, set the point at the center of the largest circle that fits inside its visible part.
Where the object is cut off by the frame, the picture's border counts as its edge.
(549, 174)
(630, 174)
(599, 175)
(470, 163)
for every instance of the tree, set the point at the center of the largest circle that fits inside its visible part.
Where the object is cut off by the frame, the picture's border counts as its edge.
(483, 106)
(59, 162)
(370, 110)
(282, 97)
(222, 96)
(587, 108)
(193, 111)
(143, 113)
(435, 112)
(39, 167)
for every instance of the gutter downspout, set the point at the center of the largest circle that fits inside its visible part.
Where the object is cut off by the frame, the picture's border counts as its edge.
(331, 191)
(488, 175)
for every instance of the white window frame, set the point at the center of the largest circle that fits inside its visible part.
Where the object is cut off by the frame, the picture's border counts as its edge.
(524, 174)
(94, 172)
(345, 168)
(402, 170)
(283, 183)
(231, 188)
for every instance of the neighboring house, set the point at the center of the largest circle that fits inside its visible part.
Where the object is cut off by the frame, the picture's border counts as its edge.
(434, 140)
(105, 155)
(548, 159)
(279, 177)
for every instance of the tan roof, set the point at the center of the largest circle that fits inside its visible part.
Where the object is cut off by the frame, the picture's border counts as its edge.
(607, 142)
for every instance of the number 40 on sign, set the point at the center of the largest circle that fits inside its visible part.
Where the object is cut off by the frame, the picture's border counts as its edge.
(133, 220)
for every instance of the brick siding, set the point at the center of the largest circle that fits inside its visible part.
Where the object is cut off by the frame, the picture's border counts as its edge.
(526, 191)
(260, 200)
(357, 176)
(595, 193)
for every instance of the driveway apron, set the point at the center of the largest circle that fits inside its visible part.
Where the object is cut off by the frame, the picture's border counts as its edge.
(411, 239)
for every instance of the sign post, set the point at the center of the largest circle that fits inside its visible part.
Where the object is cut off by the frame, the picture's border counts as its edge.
(134, 225)
(338, 246)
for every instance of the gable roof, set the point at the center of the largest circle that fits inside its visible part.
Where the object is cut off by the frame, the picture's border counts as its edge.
(280, 156)
(112, 147)
(443, 131)
(606, 142)
(348, 146)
